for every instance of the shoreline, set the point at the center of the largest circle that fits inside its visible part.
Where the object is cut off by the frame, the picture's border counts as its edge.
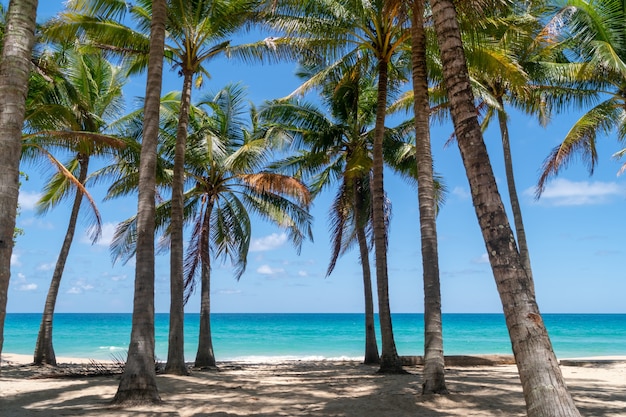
(10, 359)
(303, 388)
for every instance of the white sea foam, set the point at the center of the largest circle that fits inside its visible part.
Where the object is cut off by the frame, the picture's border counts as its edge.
(286, 358)
(113, 348)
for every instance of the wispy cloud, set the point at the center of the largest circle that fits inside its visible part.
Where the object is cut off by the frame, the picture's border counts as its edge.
(462, 193)
(268, 270)
(229, 292)
(79, 287)
(23, 285)
(108, 230)
(563, 192)
(266, 243)
(35, 222)
(28, 200)
(483, 259)
(46, 266)
(15, 260)
(119, 277)
(27, 287)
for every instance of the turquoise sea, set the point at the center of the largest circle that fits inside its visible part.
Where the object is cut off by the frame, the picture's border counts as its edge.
(273, 337)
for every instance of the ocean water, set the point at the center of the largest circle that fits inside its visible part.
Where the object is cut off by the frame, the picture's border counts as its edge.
(273, 337)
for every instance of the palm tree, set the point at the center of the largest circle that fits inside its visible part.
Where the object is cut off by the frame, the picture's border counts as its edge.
(229, 185)
(512, 65)
(225, 166)
(434, 365)
(138, 382)
(196, 32)
(542, 382)
(337, 150)
(343, 32)
(593, 33)
(88, 97)
(501, 51)
(18, 40)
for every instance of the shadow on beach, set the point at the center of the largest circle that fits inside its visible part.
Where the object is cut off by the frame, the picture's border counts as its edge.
(319, 389)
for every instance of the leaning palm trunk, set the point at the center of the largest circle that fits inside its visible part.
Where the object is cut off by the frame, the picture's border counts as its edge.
(14, 71)
(44, 350)
(138, 383)
(434, 366)
(371, 346)
(542, 382)
(176, 347)
(389, 361)
(205, 357)
(510, 181)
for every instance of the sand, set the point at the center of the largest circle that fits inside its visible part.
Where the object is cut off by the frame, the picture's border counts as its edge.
(303, 388)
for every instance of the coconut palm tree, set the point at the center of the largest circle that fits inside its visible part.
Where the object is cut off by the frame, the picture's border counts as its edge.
(72, 114)
(197, 31)
(15, 66)
(542, 381)
(138, 382)
(593, 33)
(344, 32)
(336, 150)
(434, 364)
(514, 65)
(225, 160)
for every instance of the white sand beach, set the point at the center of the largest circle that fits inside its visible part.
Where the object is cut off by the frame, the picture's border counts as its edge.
(303, 388)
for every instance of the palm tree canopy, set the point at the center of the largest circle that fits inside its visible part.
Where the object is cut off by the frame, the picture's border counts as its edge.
(72, 113)
(594, 35)
(225, 161)
(197, 30)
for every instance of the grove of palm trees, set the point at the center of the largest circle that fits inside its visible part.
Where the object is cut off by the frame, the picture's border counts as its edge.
(136, 113)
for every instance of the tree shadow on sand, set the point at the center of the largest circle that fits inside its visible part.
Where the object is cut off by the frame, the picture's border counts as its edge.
(315, 389)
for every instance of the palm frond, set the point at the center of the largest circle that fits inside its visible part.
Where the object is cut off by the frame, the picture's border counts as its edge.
(581, 141)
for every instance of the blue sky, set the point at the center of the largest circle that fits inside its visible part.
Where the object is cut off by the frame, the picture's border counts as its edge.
(573, 231)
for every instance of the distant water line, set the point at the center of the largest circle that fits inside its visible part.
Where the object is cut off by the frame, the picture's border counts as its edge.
(273, 337)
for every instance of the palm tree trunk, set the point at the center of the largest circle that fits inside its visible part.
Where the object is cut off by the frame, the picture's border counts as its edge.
(205, 358)
(176, 347)
(371, 346)
(434, 366)
(138, 382)
(14, 71)
(44, 350)
(542, 382)
(389, 361)
(510, 181)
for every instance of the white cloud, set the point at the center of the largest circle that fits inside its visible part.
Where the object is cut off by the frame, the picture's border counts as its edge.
(303, 274)
(108, 230)
(118, 277)
(28, 200)
(268, 270)
(15, 260)
(229, 292)
(46, 267)
(24, 286)
(38, 223)
(462, 193)
(28, 287)
(79, 287)
(484, 259)
(563, 192)
(266, 243)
